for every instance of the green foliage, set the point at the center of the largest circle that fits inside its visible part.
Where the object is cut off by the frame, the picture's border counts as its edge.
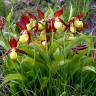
(3, 9)
(51, 72)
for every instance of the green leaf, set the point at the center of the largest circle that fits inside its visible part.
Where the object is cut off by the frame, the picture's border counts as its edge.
(44, 82)
(89, 68)
(53, 47)
(71, 11)
(57, 52)
(13, 1)
(11, 77)
(8, 18)
(3, 9)
(49, 13)
(3, 44)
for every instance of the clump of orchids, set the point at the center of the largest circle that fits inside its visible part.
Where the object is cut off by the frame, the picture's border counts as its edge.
(32, 26)
(76, 25)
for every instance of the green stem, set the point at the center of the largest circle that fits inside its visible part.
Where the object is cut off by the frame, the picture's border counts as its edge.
(3, 37)
(34, 55)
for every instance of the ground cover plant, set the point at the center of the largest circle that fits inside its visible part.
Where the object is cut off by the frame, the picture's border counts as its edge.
(48, 50)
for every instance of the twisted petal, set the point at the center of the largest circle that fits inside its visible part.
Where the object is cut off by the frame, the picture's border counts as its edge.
(13, 43)
(32, 16)
(80, 16)
(48, 26)
(20, 51)
(1, 22)
(78, 48)
(40, 13)
(21, 25)
(58, 13)
(25, 19)
(29, 37)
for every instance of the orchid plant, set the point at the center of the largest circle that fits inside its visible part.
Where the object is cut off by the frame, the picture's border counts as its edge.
(43, 59)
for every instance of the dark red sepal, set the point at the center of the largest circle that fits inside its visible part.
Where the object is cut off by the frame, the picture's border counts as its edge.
(67, 26)
(94, 55)
(9, 51)
(25, 19)
(58, 13)
(81, 47)
(80, 16)
(20, 51)
(94, 52)
(32, 16)
(29, 37)
(48, 38)
(1, 22)
(13, 43)
(62, 21)
(40, 13)
(49, 26)
(85, 25)
(21, 25)
(53, 27)
(35, 28)
(78, 48)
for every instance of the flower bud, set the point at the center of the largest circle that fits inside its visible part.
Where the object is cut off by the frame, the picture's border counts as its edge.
(29, 26)
(44, 43)
(23, 38)
(71, 36)
(72, 29)
(78, 24)
(57, 25)
(41, 25)
(42, 36)
(13, 55)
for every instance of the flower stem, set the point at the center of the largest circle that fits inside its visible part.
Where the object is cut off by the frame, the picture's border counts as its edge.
(3, 37)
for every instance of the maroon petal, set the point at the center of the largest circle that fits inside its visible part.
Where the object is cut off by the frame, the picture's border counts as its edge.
(80, 16)
(59, 12)
(81, 47)
(67, 26)
(95, 45)
(78, 48)
(20, 51)
(35, 28)
(9, 51)
(53, 27)
(94, 52)
(48, 26)
(62, 21)
(1, 22)
(13, 43)
(25, 19)
(29, 37)
(94, 55)
(75, 51)
(21, 25)
(32, 16)
(22, 32)
(81, 29)
(48, 38)
(40, 13)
